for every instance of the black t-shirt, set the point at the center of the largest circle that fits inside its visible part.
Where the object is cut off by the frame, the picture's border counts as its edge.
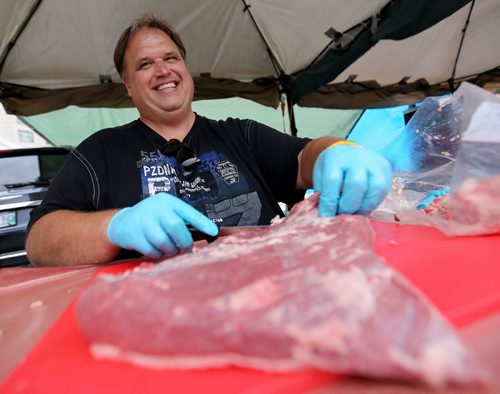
(245, 168)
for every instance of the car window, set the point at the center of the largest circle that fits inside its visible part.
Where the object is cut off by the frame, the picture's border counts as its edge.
(33, 170)
(16, 170)
(49, 166)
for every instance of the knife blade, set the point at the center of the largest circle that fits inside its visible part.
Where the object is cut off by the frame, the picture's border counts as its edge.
(224, 231)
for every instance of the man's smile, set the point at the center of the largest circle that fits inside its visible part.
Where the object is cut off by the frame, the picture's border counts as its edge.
(166, 86)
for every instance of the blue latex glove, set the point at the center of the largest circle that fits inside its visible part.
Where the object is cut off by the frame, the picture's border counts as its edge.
(156, 226)
(351, 179)
(431, 196)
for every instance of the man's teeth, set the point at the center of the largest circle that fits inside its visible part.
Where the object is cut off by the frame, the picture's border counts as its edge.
(170, 85)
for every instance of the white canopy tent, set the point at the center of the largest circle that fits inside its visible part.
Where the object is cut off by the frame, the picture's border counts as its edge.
(322, 53)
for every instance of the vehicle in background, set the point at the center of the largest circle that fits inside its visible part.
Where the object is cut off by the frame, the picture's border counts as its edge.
(25, 175)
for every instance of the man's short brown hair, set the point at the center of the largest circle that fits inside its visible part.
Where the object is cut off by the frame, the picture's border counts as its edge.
(147, 21)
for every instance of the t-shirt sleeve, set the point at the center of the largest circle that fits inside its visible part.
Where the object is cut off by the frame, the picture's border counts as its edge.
(276, 155)
(75, 187)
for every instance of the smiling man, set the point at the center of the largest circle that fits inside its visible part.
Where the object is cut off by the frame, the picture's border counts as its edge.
(158, 81)
(140, 188)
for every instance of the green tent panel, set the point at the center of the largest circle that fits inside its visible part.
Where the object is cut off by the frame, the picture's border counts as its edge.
(69, 126)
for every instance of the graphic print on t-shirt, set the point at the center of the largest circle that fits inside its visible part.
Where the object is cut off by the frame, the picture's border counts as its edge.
(215, 187)
(227, 171)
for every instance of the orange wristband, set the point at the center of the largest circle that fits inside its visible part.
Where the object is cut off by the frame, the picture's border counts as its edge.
(343, 142)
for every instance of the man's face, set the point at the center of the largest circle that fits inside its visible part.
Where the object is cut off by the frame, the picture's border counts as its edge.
(156, 76)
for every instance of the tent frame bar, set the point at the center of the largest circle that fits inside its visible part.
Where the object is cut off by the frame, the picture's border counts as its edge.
(277, 67)
(283, 79)
(459, 51)
(19, 31)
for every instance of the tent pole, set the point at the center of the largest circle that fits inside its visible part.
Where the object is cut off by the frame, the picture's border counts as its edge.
(291, 114)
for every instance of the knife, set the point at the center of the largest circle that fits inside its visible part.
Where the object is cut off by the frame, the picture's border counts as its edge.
(223, 231)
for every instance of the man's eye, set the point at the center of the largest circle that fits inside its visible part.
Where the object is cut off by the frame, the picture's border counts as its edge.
(144, 65)
(171, 58)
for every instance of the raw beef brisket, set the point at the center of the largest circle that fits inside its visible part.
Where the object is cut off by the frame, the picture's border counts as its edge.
(303, 293)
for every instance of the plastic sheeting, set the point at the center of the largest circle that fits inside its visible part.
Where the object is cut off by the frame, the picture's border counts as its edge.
(30, 300)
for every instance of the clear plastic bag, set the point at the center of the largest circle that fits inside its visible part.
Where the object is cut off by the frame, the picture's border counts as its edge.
(455, 144)
(422, 156)
(478, 156)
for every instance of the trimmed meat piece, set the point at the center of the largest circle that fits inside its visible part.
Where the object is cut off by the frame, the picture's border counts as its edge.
(477, 202)
(472, 209)
(438, 208)
(303, 293)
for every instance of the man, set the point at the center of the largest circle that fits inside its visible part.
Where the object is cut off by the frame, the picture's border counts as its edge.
(137, 187)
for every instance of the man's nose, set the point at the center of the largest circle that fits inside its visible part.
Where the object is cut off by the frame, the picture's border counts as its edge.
(162, 67)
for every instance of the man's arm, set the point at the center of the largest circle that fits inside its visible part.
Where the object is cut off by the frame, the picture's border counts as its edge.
(70, 238)
(307, 157)
(155, 227)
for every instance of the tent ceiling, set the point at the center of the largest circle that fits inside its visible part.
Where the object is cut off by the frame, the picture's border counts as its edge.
(326, 53)
(424, 55)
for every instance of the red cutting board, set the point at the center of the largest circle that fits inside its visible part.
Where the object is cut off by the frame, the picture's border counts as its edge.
(459, 275)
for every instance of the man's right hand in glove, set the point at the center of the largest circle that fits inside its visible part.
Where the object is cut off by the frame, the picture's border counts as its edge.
(351, 179)
(157, 226)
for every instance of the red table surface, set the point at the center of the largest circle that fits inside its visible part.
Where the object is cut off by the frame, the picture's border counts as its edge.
(460, 276)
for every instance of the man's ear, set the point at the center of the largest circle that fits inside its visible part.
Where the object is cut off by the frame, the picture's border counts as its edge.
(127, 85)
